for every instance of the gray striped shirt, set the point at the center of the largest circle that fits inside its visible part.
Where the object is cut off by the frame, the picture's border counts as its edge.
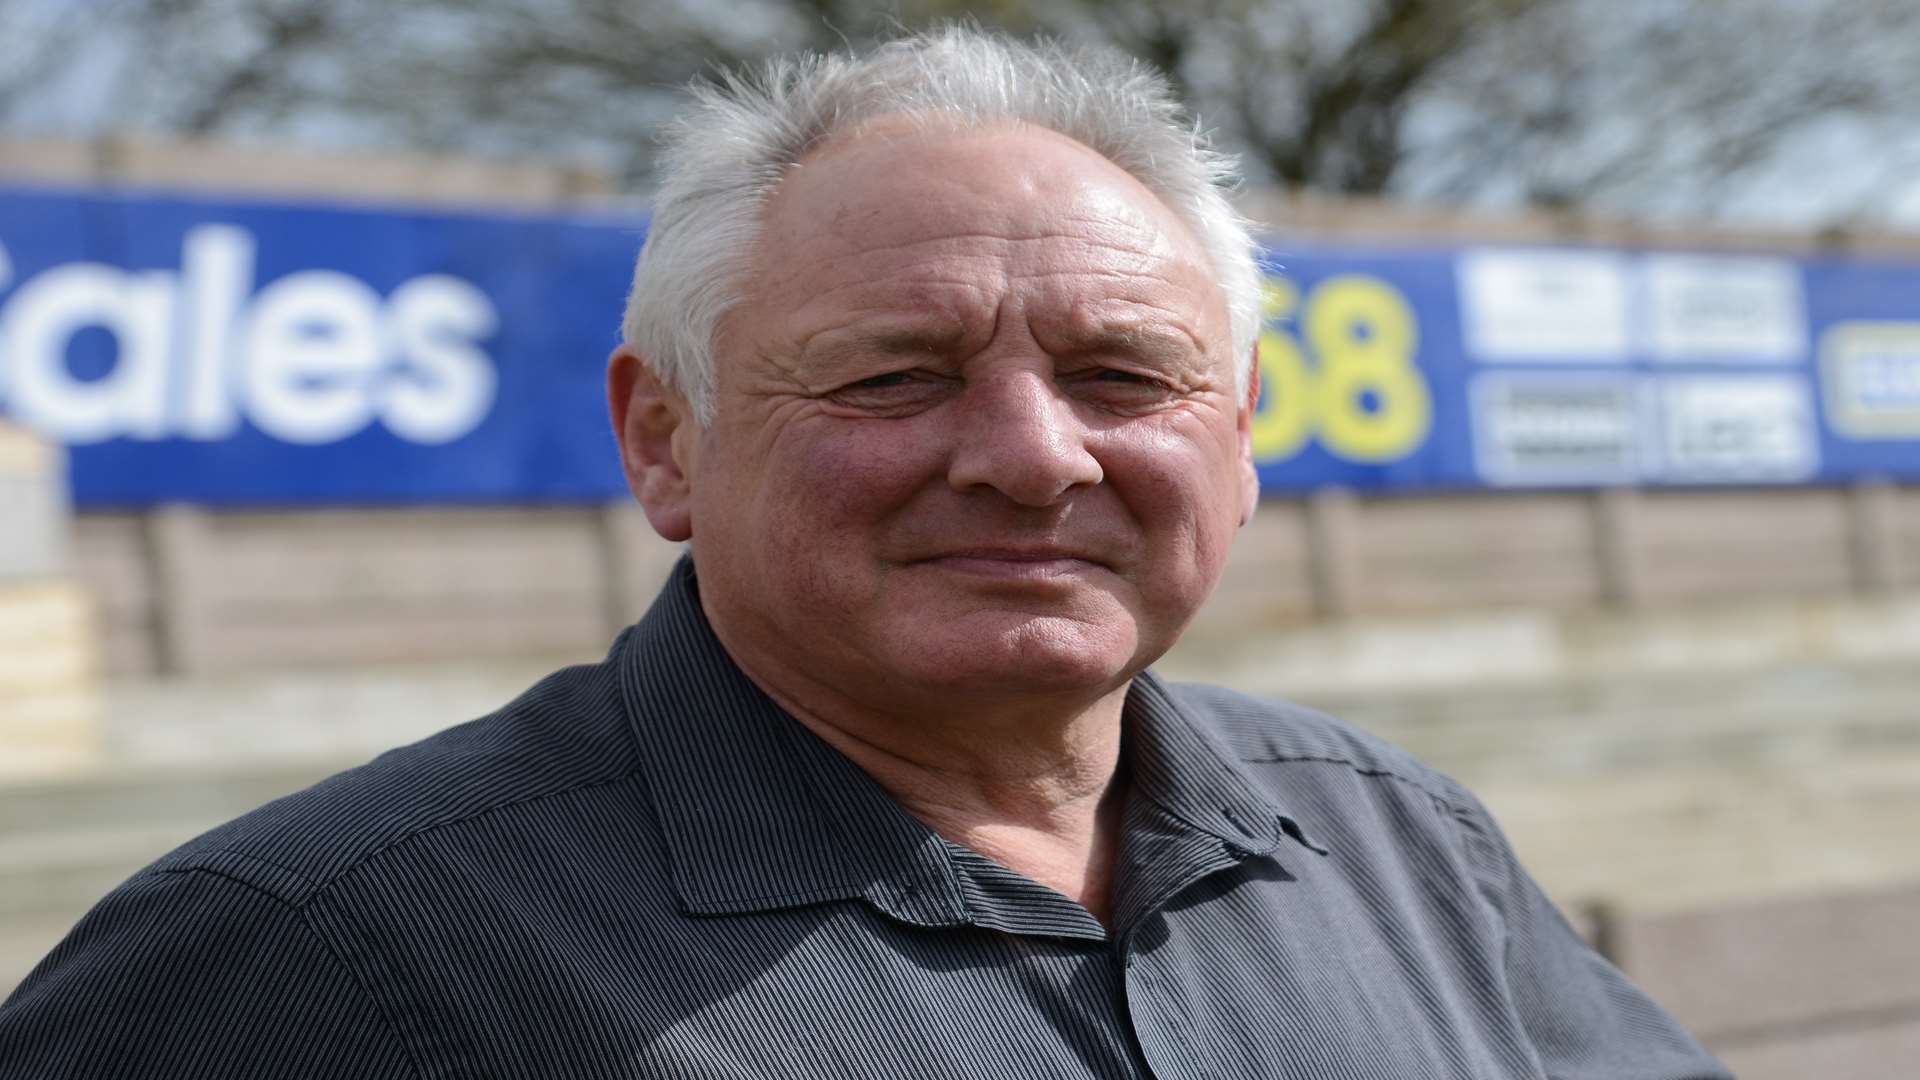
(643, 868)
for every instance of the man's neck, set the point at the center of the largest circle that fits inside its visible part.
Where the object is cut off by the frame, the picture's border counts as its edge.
(1042, 796)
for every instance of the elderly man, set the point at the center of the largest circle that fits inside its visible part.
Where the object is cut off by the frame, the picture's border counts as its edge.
(941, 360)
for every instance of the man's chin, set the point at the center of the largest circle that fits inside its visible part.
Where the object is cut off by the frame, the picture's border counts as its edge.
(996, 652)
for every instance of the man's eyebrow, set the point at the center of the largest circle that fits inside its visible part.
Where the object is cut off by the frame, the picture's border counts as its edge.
(1148, 339)
(848, 344)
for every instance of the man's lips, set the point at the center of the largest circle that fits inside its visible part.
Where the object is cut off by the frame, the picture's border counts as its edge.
(1016, 563)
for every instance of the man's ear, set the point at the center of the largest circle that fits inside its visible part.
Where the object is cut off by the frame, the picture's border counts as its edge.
(654, 425)
(1249, 478)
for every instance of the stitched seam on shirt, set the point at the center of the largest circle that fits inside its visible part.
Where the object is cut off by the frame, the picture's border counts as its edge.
(299, 913)
(748, 904)
(393, 1027)
(1363, 770)
(1480, 843)
(1476, 840)
(361, 862)
(1184, 819)
(249, 857)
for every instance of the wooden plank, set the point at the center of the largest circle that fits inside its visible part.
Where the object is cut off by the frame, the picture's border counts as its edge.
(1734, 972)
(46, 643)
(1681, 577)
(1475, 551)
(49, 706)
(310, 572)
(1532, 522)
(48, 160)
(110, 559)
(357, 177)
(1871, 505)
(33, 504)
(331, 557)
(1756, 517)
(1333, 570)
(376, 525)
(1727, 543)
(1617, 547)
(178, 551)
(1278, 530)
(1905, 527)
(1294, 562)
(634, 562)
(1294, 213)
(1475, 585)
(1882, 1051)
(1265, 581)
(390, 635)
(128, 651)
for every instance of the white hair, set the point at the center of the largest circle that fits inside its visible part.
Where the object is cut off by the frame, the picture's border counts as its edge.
(728, 151)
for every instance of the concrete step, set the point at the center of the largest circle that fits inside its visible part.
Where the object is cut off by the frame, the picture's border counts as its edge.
(129, 794)
(1677, 838)
(64, 842)
(1807, 683)
(1662, 790)
(1766, 717)
(62, 872)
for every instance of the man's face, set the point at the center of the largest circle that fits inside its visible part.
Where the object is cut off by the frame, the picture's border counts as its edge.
(976, 433)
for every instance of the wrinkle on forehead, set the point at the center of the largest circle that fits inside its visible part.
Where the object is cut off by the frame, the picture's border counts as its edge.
(948, 224)
(1031, 165)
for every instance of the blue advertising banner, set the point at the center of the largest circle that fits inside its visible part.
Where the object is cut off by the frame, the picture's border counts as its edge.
(268, 353)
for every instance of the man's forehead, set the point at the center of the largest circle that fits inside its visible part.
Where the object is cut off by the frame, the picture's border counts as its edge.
(901, 179)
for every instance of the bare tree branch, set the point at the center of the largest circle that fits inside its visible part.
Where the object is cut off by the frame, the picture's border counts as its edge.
(1629, 105)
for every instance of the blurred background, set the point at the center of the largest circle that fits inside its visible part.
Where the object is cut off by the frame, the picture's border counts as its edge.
(1590, 433)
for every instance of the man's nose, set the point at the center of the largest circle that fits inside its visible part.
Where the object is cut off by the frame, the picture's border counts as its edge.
(1020, 436)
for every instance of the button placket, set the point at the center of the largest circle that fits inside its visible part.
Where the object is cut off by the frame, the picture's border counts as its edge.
(1161, 1017)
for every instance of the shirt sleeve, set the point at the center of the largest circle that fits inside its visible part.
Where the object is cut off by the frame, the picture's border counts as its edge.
(1585, 1019)
(188, 973)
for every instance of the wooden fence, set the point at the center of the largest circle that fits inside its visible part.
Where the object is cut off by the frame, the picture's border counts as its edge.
(183, 590)
(1816, 988)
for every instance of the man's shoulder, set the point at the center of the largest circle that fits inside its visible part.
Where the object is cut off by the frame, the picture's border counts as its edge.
(565, 734)
(1267, 731)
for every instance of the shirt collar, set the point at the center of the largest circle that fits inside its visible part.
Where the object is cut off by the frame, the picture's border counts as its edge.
(759, 814)
(1178, 765)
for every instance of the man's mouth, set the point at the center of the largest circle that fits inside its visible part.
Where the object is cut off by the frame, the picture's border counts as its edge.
(1017, 563)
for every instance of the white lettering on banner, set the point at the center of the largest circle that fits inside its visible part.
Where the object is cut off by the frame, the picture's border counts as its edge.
(1738, 308)
(1738, 427)
(44, 315)
(6, 282)
(1554, 428)
(1871, 373)
(317, 356)
(1544, 305)
(313, 342)
(217, 263)
(435, 320)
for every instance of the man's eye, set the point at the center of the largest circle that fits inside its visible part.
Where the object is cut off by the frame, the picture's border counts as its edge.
(891, 393)
(1116, 375)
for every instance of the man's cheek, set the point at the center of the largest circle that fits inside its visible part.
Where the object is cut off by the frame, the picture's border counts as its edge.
(861, 471)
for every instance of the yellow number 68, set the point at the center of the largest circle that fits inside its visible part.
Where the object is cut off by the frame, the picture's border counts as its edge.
(1363, 337)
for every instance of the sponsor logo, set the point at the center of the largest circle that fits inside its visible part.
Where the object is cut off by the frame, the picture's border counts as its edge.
(312, 357)
(1556, 429)
(1870, 371)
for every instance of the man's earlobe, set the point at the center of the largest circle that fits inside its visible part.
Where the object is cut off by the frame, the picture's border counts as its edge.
(647, 415)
